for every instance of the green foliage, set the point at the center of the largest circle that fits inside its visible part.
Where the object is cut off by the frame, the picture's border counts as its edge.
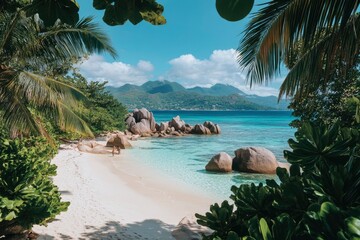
(65, 10)
(318, 145)
(334, 100)
(328, 30)
(220, 219)
(234, 10)
(28, 195)
(117, 12)
(27, 50)
(101, 110)
(165, 95)
(320, 200)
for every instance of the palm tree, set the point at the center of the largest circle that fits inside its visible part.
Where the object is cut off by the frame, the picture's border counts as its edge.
(27, 50)
(326, 31)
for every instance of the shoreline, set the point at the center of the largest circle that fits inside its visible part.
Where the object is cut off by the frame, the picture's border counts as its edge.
(132, 202)
(218, 110)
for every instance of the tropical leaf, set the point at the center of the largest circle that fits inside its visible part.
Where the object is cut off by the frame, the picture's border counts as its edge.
(27, 49)
(310, 72)
(50, 11)
(234, 10)
(117, 12)
(276, 27)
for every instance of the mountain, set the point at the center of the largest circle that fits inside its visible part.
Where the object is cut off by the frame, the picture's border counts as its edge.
(166, 95)
(165, 86)
(268, 101)
(217, 90)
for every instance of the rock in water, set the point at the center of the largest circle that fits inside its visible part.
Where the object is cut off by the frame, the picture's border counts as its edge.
(255, 160)
(164, 126)
(200, 129)
(141, 121)
(177, 123)
(214, 128)
(221, 162)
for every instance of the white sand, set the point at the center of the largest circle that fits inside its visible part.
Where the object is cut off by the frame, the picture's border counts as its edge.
(133, 202)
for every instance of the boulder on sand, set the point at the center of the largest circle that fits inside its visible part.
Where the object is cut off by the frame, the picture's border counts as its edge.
(141, 127)
(189, 229)
(130, 121)
(221, 162)
(255, 160)
(96, 149)
(124, 143)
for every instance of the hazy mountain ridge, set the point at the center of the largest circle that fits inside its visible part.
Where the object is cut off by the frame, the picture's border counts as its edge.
(166, 95)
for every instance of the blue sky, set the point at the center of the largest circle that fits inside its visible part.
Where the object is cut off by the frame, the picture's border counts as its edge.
(195, 48)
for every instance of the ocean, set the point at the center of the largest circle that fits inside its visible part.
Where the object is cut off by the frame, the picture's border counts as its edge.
(184, 158)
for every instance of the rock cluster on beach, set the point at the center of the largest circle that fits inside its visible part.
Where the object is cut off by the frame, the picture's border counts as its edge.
(247, 159)
(142, 122)
(95, 147)
(189, 229)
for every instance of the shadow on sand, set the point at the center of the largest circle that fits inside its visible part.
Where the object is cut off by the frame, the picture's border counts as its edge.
(149, 229)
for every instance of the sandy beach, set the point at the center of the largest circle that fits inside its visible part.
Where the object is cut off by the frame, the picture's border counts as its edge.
(117, 198)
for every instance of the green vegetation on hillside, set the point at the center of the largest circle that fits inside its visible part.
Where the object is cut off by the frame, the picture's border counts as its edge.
(186, 101)
(216, 90)
(166, 95)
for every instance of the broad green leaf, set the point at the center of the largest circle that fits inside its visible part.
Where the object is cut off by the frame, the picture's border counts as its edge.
(234, 10)
(232, 236)
(10, 216)
(100, 4)
(265, 231)
(353, 226)
(50, 11)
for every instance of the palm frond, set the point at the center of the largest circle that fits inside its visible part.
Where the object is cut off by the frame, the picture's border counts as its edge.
(52, 98)
(62, 43)
(46, 90)
(27, 50)
(70, 121)
(17, 117)
(310, 71)
(281, 23)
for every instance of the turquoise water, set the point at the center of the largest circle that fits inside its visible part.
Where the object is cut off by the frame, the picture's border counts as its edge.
(184, 158)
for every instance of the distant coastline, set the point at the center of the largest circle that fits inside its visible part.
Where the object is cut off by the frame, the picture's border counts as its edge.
(214, 110)
(164, 95)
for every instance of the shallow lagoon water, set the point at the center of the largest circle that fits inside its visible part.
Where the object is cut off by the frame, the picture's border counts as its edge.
(184, 158)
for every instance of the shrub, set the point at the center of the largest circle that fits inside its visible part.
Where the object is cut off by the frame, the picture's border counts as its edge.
(27, 193)
(318, 199)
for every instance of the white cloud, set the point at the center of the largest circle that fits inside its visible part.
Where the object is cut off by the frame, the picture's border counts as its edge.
(220, 67)
(116, 73)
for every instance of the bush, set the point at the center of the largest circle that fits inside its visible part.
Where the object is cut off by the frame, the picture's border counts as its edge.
(101, 111)
(27, 193)
(318, 199)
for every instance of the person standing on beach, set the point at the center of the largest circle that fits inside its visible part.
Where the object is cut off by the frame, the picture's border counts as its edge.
(117, 143)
